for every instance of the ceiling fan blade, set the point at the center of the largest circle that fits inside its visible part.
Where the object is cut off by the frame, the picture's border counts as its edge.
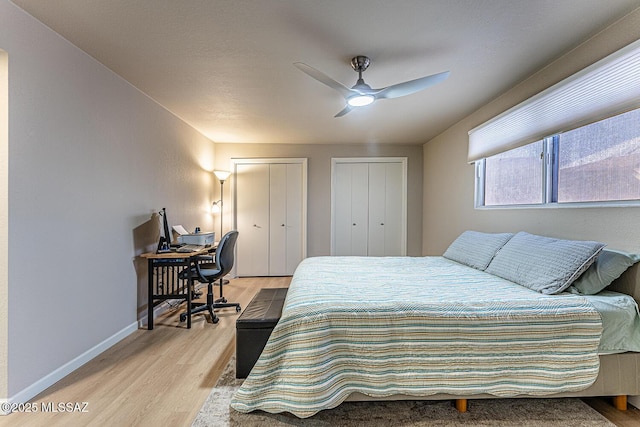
(323, 78)
(344, 111)
(412, 86)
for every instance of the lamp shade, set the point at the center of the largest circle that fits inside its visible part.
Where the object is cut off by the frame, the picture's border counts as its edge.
(222, 175)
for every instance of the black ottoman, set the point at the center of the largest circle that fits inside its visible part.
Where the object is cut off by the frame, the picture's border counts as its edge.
(254, 326)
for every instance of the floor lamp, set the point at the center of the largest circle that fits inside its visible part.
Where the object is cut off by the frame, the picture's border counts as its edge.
(222, 177)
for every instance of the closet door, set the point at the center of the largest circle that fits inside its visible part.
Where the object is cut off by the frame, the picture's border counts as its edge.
(385, 209)
(294, 222)
(270, 216)
(341, 226)
(285, 218)
(277, 219)
(252, 199)
(369, 207)
(351, 212)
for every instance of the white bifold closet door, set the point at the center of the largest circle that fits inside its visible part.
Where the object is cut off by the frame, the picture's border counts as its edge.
(385, 236)
(252, 212)
(270, 217)
(369, 207)
(351, 208)
(285, 218)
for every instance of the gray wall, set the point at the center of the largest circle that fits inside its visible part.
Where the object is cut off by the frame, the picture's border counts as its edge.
(90, 159)
(319, 183)
(4, 221)
(449, 180)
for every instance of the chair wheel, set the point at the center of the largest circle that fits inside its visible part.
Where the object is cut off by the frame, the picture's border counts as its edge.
(215, 319)
(238, 309)
(183, 317)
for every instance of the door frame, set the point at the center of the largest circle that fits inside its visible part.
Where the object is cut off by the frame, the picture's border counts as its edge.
(275, 160)
(403, 161)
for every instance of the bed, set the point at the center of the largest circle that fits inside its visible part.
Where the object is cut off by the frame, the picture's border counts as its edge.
(449, 327)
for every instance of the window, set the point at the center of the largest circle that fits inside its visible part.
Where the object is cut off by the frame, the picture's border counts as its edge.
(587, 128)
(596, 163)
(514, 177)
(606, 88)
(601, 161)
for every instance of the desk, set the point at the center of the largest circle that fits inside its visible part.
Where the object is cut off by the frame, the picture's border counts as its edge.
(164, 268)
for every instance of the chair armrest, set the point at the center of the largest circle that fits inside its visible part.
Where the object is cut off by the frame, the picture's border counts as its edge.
(197, 270)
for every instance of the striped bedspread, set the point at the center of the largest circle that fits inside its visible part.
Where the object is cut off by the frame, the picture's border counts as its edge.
(417, 326)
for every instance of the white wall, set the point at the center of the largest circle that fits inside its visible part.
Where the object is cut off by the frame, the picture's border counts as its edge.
(90, 159)
(4, 221)
(319, 183)
(449, 180)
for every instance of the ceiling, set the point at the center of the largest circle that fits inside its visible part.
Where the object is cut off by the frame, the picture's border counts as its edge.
(226, 66)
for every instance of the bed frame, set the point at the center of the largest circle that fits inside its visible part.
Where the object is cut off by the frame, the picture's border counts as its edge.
(619, 374)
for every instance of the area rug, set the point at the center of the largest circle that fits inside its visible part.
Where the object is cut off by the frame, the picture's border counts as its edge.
(483, 412)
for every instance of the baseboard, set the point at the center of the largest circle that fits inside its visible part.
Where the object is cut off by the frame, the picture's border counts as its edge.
(157, 311)
(634, 400)
(164, 306)
(55, 376)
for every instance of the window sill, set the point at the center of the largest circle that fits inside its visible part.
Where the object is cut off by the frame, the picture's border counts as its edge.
(574, 205)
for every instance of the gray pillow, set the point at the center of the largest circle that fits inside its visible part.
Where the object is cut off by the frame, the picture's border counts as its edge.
(609, 265)
(476, 249)
(543, 264)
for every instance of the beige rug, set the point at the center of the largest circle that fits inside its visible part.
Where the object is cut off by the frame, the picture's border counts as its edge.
(496, 413)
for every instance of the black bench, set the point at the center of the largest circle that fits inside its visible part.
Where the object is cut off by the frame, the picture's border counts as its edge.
(254, 326)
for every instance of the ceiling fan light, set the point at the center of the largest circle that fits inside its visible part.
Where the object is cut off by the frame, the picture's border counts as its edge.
(360, 100)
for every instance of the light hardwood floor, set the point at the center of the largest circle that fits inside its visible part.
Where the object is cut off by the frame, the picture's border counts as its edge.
(162, 377)
(151, 378)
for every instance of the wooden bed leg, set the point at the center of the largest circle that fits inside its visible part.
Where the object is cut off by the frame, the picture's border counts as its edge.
(620, 402)
(461, 405)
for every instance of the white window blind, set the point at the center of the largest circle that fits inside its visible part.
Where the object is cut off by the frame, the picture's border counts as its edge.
(607, 87)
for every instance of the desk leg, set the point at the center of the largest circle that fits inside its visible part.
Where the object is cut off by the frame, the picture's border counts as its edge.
(190, 286)
(150, 295)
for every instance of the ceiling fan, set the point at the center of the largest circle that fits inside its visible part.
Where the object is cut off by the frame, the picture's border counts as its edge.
(362, 94)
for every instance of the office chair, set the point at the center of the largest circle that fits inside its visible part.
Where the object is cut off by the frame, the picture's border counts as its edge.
(208, 273)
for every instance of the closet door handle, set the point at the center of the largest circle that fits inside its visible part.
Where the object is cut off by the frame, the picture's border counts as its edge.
(256, 226)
